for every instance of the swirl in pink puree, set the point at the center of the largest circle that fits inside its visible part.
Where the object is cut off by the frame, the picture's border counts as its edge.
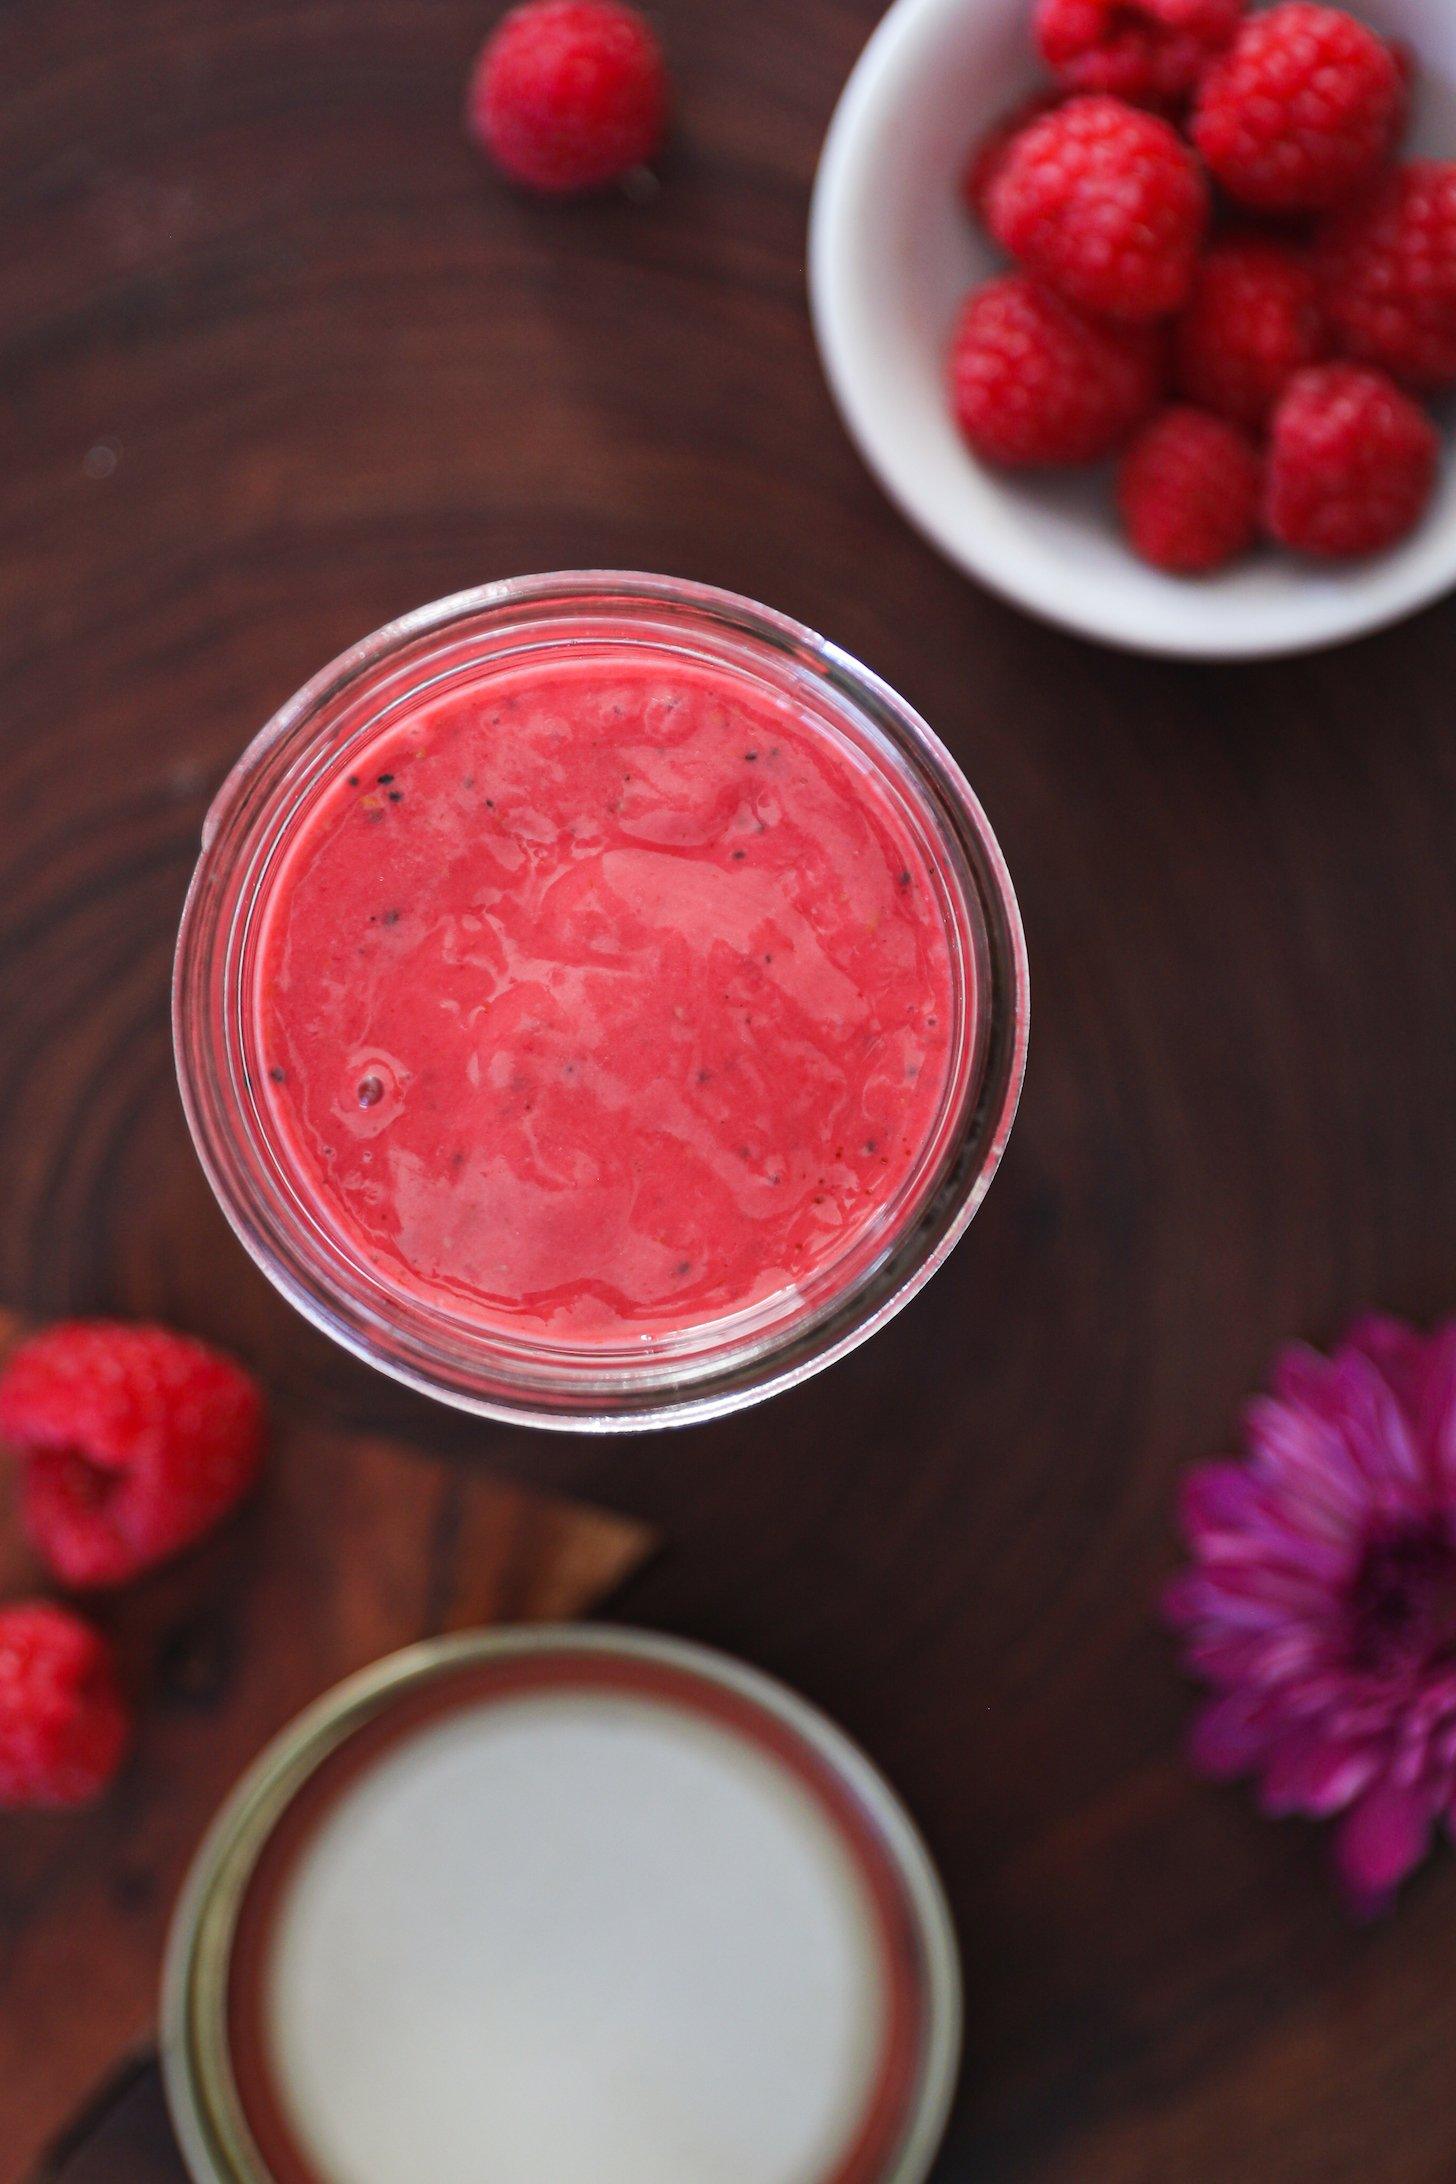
(609, 997)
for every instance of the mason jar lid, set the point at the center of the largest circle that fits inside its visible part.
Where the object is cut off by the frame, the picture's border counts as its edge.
(569, 1903)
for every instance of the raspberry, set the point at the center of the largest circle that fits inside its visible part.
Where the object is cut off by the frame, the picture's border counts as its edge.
(1107, 205)
(64, 1727)
(1189, 492)
(569, 95)
(1387, 268)
(988, 155)
(1033, 382)
(1301, 110)
(1252, 322)
(1352, 463)
(1149, 51)
(133, 1442)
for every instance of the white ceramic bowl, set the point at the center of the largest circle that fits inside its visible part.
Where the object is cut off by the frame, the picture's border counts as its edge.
(891, 255)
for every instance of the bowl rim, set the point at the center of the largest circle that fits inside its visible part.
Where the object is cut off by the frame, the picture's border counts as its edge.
(1322, 622)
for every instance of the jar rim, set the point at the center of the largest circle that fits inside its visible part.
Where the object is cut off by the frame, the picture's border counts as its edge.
(722, 1364)
(211, 2100)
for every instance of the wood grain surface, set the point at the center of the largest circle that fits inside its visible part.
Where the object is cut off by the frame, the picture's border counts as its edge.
(277, 364)
(122, 2135)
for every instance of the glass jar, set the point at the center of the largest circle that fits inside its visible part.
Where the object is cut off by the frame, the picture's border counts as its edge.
(601, 1873)
(714, 1365)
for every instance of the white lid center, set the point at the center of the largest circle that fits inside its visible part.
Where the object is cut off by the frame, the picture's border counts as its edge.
(576, 1938)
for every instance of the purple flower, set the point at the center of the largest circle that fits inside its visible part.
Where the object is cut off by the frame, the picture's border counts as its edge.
(1320, 1603)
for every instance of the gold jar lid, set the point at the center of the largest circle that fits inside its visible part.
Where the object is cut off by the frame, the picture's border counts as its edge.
(570, 1901)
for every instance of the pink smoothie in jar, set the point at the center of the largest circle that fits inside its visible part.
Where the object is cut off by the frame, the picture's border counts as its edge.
(600, 1002)
(606, 996)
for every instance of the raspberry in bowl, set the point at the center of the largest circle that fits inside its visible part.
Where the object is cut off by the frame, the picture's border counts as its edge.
(906, 239)
(600, 1002)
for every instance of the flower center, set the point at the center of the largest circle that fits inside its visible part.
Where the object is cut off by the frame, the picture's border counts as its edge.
(1403, 1603)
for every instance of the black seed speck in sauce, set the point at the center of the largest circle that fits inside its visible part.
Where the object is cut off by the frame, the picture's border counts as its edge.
(371, 1091)
(396, 796)
(391, 917)
(279, 1076)
(384, 779)
(353, 781)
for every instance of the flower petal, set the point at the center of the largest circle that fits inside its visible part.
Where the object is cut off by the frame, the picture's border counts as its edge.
(1381, 1842)
(1230, 1513)
(1316, 1776)
(1263, 1659)
(1376, 1429)
(1397, 1352)
(1420, 1371)
(1227, 1602)
(1353, 1400)
(1219, 1497)
(1436, 1415)
(1308, 1463)
(1229, 1737)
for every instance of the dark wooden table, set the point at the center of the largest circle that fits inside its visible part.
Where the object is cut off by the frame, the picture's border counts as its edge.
(277, 364)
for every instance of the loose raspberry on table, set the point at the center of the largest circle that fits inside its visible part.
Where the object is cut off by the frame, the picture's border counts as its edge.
(1301, 110)
(1034, 383)
(1387, 269)
(569, 95)
(64, 1726)
(1253, 320)
(1190, 491)
(988, 154)
(132, 1442)
(1352, 463)
(1149, 51)
(1107, 205)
